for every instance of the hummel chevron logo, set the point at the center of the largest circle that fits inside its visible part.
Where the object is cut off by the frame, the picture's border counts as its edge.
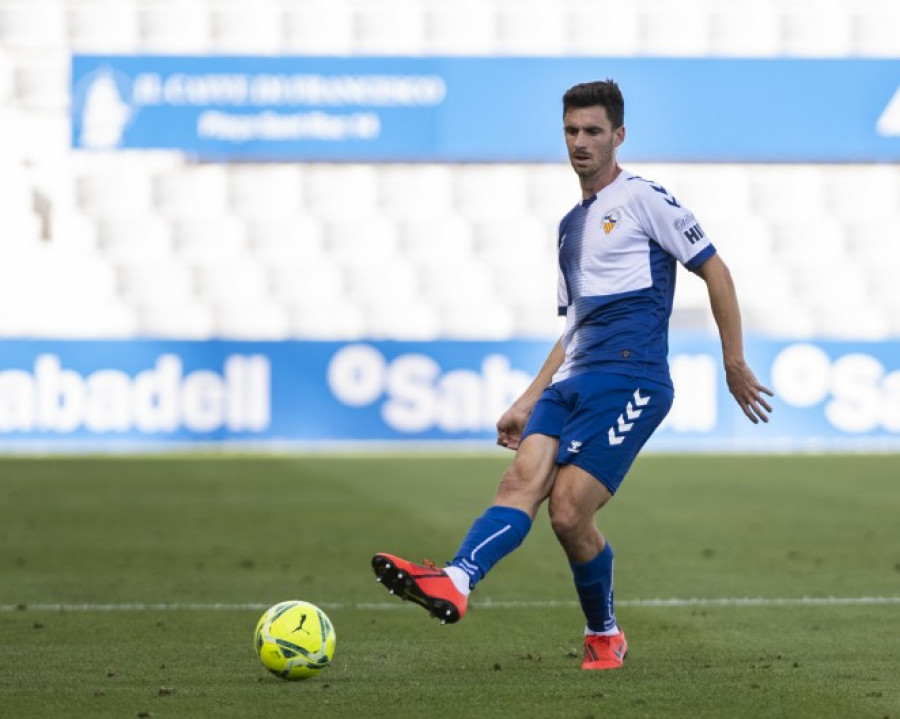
(574, 447)
(617, 433)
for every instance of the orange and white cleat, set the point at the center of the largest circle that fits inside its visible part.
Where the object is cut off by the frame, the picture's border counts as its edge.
(423, 584)
(604, 652)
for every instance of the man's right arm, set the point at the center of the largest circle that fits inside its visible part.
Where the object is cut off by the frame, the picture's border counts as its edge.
(512, 423)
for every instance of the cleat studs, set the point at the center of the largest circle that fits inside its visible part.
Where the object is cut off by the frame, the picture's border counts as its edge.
(443, 622)
(387, 565)
(378, 579)
(390, 591)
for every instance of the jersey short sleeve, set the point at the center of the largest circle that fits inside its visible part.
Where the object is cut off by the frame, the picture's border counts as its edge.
(671, 225)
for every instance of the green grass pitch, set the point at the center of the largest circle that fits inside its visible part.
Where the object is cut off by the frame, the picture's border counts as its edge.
(130, 587)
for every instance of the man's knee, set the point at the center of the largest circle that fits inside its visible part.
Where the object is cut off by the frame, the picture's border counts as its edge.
(566, 519)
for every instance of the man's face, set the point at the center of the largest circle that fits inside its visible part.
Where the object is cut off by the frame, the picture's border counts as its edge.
(591, 140)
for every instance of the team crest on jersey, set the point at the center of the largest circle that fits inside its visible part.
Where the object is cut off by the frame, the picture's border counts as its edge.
(611, 219)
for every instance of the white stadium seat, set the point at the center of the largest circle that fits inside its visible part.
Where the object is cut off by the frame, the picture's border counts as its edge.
(191, 192)
(239, 27)
(232, 282)
(173, 26)
(464, 27)
(189, 320)
(257, 320)
(41, 81)
(342, 191)
(530, 27)
(319, 27)
(208, 240)
(416, 191)
(603, 27)
(413, 321)
(162, 281)
(103, 26)
(337, 319)
(745, 28)
(674, 28)
(264, 191)
(32, 24)
(819, 29)
(128, 240)
(390, 27)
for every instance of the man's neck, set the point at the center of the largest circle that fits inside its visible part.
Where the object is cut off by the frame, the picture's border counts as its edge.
(592, 185)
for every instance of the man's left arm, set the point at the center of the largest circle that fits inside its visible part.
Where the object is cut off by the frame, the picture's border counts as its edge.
(742, 383)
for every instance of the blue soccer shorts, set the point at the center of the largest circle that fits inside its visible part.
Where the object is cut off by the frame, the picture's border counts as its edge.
(602, 420)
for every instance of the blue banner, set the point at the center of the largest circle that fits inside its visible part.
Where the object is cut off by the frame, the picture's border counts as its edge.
(449, 109)
(131, 394)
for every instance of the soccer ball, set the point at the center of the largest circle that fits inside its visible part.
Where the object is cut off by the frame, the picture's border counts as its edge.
(294, 640)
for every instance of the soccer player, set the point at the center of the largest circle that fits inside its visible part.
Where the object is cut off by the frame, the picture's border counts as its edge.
(605, 386)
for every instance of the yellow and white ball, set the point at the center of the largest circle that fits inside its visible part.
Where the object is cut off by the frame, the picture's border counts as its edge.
(295, 640)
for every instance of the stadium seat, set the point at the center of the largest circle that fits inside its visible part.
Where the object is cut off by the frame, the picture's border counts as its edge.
(390, 27)
(537, 317)
(110, 193)
(130, 240)
(171, 26)
(411, 192)
(317, 27)
(264, 191)
(251, 320)
(233, 282)
(341, 191)
(745, 28)
(188, 320)
(552, 190)
(781, 192)
(334, 319)
(96, 26)
(41, 81)
(590, 31)
(414, 321)
(464, 282)
(531, 28)
(237, 27)
(441, 239)
(306, 283)
(73, 232)
(877, 24)
(191, 192)
(287, 240)
(820, 29)
(674, 28)
(158, 280)
(465, 27)
(489, 191)
(208, 240)
(6, 93)
(858, 192)
(34, 25)
(477, 321)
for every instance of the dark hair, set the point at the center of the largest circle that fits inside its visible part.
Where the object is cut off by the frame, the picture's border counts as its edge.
(604, 93)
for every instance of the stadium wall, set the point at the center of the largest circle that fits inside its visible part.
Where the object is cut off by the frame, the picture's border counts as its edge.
(124, 395)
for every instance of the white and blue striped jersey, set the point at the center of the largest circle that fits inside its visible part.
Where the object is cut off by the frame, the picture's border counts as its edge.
(617, 265)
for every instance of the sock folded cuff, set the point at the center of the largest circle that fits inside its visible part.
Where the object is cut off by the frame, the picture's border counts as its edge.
(595, 570)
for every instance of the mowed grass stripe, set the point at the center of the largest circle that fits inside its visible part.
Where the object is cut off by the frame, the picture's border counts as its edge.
(674, 603)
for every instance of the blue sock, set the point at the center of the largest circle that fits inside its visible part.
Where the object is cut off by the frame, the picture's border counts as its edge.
(493, 535)
(594, 582)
